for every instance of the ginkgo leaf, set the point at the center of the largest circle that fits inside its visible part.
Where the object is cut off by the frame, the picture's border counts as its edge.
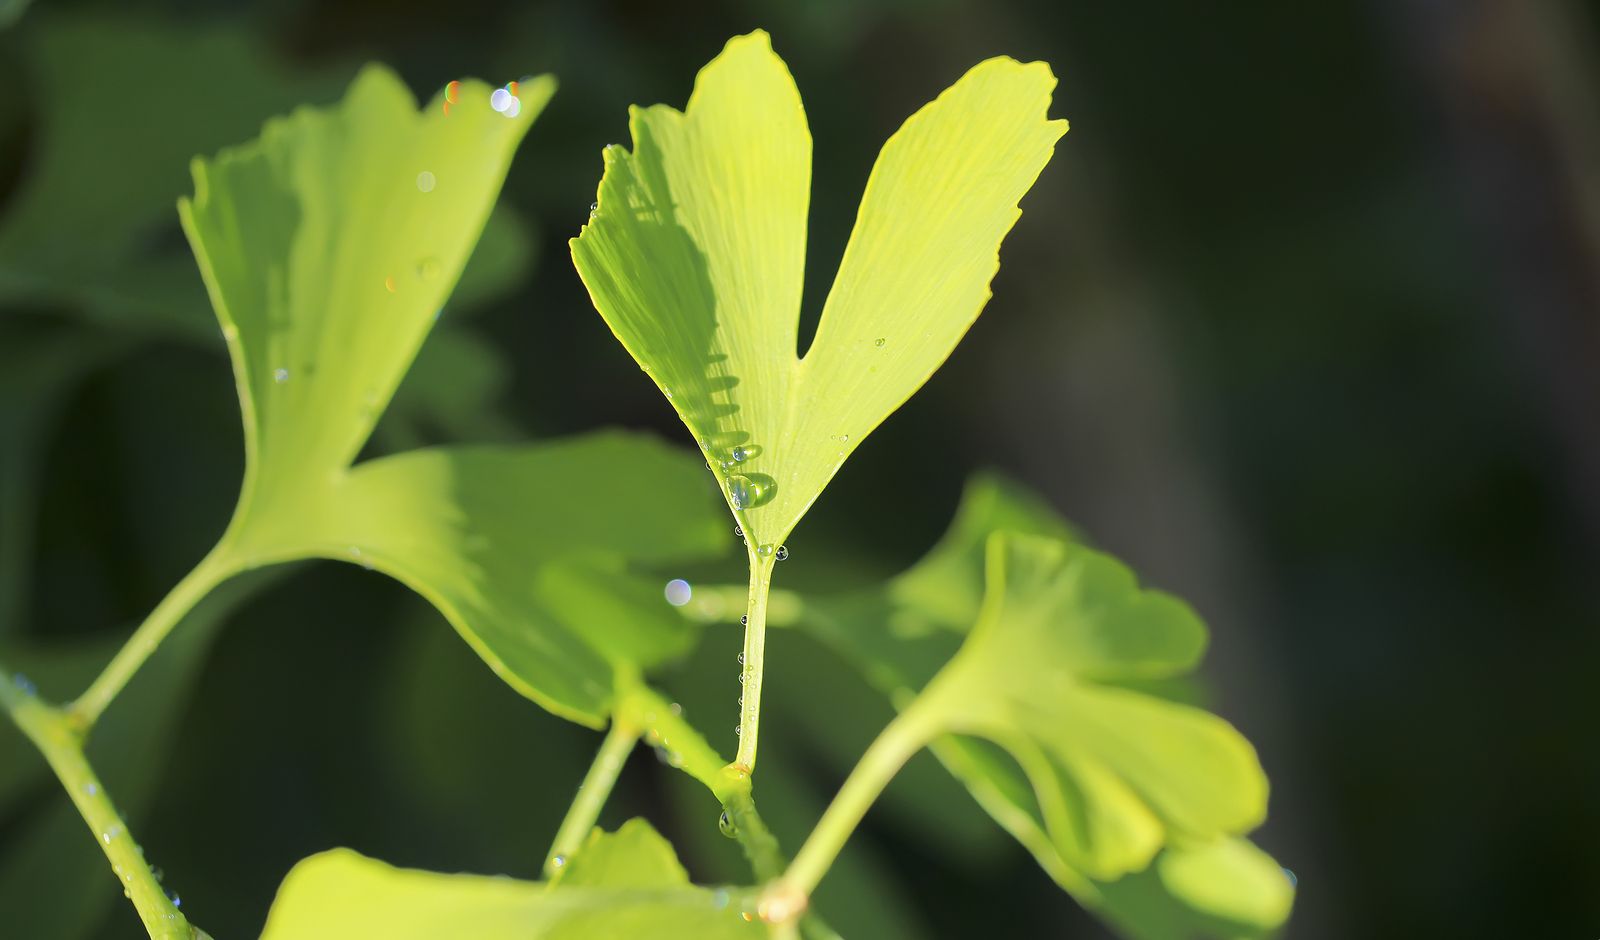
(635, 856)
(328, 247)
(636, 888)
(902, 634)
(695, 257)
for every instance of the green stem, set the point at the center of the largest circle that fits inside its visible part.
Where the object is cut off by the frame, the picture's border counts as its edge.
(907, 734)
(755, 645)
(592, 793)
(212, 570)
(59, 738)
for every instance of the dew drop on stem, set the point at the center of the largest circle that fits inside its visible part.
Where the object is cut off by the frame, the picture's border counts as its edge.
(726, 827)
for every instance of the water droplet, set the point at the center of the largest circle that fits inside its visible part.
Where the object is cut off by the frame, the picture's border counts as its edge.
(679, 592)
(280, 375)
(878, 342)
(739, 454)
(594, 209)
(726, 827)
(172, 896)
(1293, 879)
(390, 285)
(558, 861)
(676, 709)
(744, 492)
(783, 553)
(747, 917)
(109, 834)
(24, 684)
(741, 682)
(743, 622)
(765, 549)
(720, 898)
(425, 181)
(738, 531)
(452, 92)
(500, 100)
(514, 108)
(741, 655)
(91, 789)
(428, 268)
(739, 730)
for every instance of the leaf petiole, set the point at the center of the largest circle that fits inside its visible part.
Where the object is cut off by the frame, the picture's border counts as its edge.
(592, 792)
(902, 738)
(217, 567)
(755, 644)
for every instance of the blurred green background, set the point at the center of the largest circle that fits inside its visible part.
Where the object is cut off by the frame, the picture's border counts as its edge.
(1303, 322)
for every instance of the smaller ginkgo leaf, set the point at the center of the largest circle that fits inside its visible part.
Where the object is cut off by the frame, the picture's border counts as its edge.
(632, 887)
(635, 856)
(901, 634)
(329, 246)
(1116, 772)
(695, 257)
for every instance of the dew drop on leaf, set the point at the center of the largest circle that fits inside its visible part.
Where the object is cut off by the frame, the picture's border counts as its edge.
(280, 375)
(558, 861)
(783, 553)
(425, 182)
(879, 342)
(428, 268)
(678, 592)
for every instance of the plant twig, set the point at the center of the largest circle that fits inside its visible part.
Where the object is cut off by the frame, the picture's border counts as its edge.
(592, 793)
(59, 738)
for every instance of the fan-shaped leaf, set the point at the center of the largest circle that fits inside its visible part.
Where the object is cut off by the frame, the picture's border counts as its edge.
(328, 247)
(902, 634)
(696, 254)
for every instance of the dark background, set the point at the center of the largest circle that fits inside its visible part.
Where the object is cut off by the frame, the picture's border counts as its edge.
(1301, 322)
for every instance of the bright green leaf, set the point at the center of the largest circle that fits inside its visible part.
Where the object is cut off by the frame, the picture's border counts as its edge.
(328, 247)
(902, 634)
(696, 255)
(633, 887)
